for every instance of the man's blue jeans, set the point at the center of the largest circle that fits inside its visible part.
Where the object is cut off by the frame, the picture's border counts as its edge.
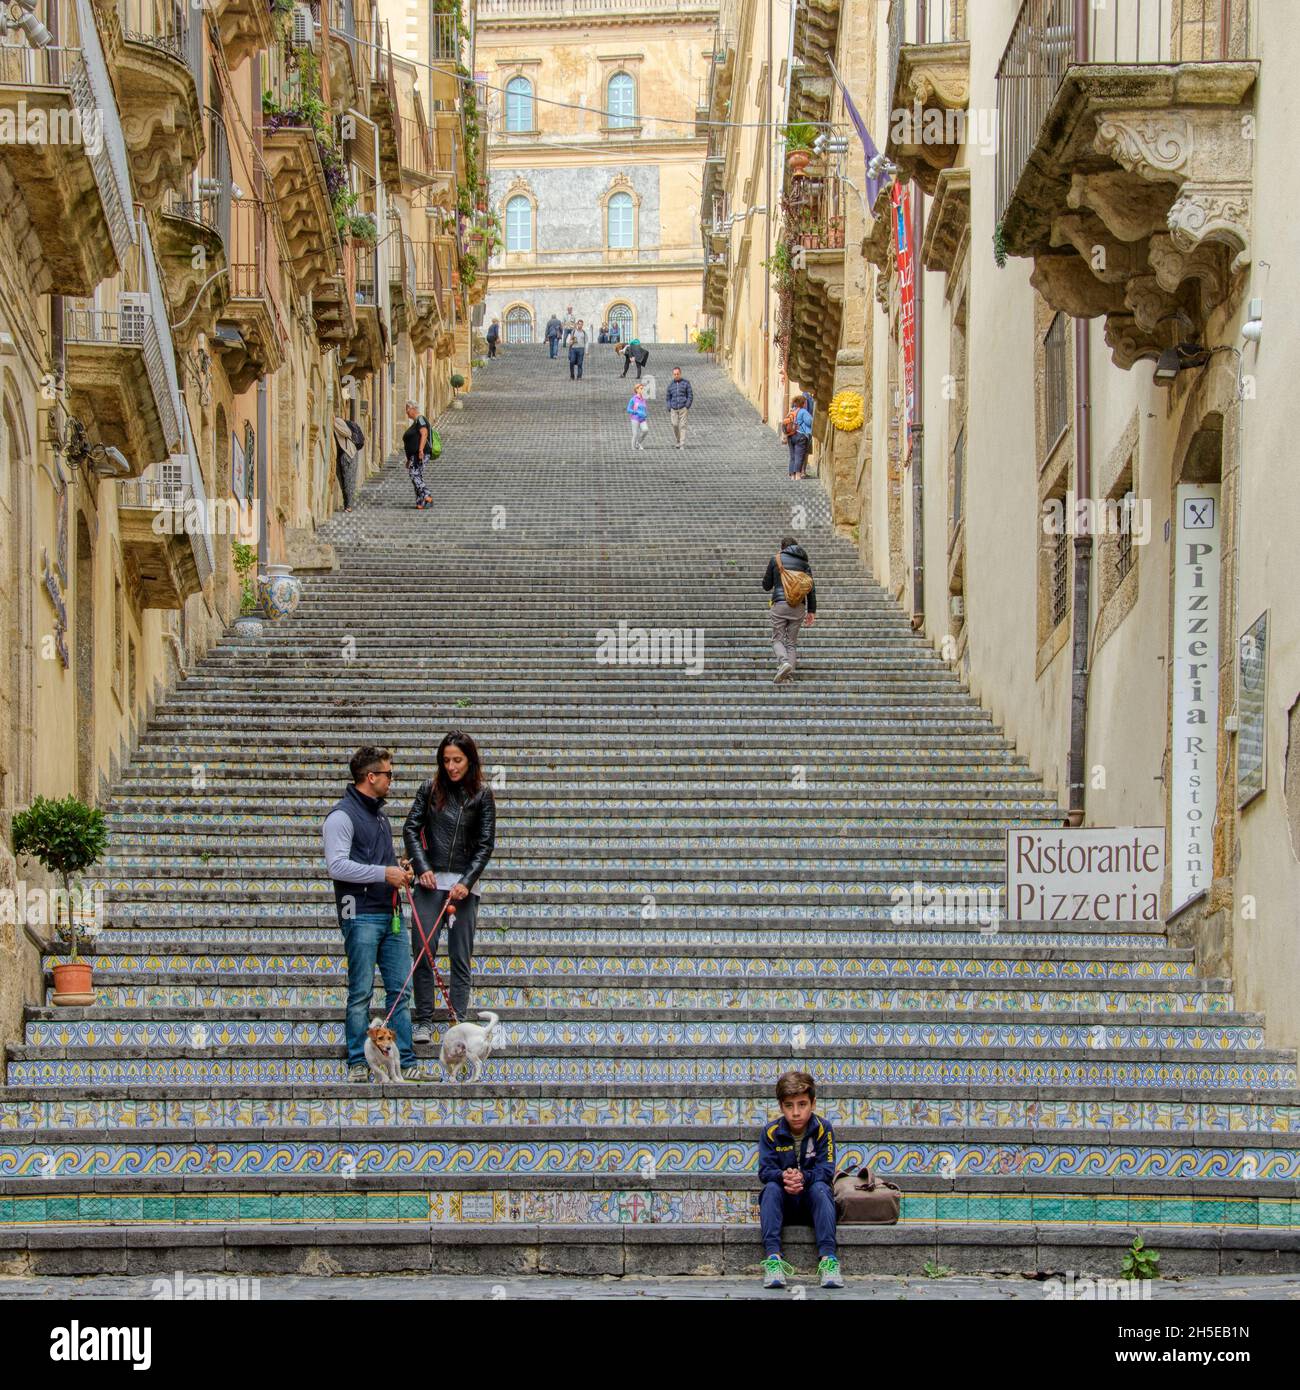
(576, 354)
(814, 1206)
(368, 940)
(552, 344)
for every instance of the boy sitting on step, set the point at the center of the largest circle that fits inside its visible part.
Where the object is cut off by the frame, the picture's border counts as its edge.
(796, 1165)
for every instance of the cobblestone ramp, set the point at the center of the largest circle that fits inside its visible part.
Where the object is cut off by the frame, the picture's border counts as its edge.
(693, 889)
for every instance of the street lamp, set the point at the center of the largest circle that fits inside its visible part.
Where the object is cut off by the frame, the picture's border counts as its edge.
(36, 33)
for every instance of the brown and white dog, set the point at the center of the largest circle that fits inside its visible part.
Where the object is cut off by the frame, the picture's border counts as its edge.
(468, 1045)
(381, 1052)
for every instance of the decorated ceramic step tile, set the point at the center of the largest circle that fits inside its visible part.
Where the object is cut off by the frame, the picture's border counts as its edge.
(1169, 1034)
(560, 1154)
(737, 995)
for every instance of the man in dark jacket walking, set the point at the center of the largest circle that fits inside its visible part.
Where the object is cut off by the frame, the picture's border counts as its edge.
(634, 352)
(554, 331)
(788, 617)
(680, 398)
(493, 336)
(359, 855)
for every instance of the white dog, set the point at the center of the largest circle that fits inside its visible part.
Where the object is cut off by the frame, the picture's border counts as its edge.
(381, 1052)
(468, 1045)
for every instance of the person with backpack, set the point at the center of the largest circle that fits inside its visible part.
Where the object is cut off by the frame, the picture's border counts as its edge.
(794, 606)
(493, 336)
(421, 445)
(634, 352)
(636, 411)
(348, 443)
(554, 331)
(797, 428)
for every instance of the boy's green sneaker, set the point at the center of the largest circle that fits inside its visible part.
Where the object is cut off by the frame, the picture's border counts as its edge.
(774, 1271)
(829, 1269)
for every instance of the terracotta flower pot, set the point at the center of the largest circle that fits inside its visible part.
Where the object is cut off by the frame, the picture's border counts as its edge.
(799, 160)
(73, 986)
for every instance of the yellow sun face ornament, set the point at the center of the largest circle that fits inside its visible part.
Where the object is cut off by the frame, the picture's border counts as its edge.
(846, 411)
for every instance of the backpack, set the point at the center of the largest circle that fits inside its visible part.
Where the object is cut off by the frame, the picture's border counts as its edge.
(434, 446)
(788, 425)
(354, 430)
(795, 584)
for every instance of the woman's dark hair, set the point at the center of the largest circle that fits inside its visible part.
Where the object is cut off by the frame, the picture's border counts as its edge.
(788, 542)
(799, 400)
(472, 782)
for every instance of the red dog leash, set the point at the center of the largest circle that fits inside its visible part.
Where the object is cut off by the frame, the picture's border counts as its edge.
(424, 949)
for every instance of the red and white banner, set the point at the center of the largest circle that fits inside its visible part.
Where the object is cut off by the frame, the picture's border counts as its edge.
(901, 197)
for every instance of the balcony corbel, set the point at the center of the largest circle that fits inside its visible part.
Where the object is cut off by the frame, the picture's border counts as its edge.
(927, 125)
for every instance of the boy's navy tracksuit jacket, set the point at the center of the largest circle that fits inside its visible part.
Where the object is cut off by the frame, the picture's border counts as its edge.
(815, 1153)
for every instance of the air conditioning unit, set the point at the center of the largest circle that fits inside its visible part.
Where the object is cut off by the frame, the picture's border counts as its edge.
(958, 606)
(132, 312)
(304, 30)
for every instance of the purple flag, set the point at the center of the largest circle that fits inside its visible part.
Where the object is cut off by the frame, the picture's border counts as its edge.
(874, 182)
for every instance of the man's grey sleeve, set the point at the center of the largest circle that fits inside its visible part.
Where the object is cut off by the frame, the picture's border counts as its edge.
(338, 841)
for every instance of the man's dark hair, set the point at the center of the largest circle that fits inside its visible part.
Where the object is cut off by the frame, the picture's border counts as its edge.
(788, 542)
(367, 759)
(795, 1083)
(677, 369)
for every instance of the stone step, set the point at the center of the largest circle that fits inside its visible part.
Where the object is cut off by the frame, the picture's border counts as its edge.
(1228, 1114)
(563, 1030)
(522, 929)
(558, 992)
(302, 1065)
(650, 1151)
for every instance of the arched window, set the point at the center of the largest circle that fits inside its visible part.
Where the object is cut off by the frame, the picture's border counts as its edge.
(519, 325)
(620, 316)
(620, 101)
(519, 224)
(621, 218)
(519, 104)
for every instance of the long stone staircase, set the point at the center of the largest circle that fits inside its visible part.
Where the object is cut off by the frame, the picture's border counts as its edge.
(696, 885)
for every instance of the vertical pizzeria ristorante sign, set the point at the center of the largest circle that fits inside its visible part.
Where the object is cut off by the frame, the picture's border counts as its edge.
(1194, 672)
(901, 198)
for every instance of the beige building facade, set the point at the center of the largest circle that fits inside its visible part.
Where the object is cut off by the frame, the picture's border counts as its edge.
(1085, 511)
(210, 251)
(595, 162)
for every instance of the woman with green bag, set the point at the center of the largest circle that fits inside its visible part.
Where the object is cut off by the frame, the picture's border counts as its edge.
(418, 442)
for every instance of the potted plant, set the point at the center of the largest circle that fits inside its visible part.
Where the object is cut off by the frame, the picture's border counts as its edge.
(706, 340)
(65, 837)
(249, 622)
(457, 381)
(799, 137)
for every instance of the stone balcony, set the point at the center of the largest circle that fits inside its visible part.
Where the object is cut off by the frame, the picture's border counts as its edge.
(927, 126)
(248, 335)
(333, 302)
(1128, 183)
(298, 181)
(69, 208)
(162, 563)
(369, 344)
(162, 117)
(246, 27)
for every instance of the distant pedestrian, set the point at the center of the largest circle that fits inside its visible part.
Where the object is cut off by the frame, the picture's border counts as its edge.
(615, 333)
(636, 410)
(577, 351)
(634, 352)
(449, 834)
(348, 442)
(493, 337)
(793, 603)
(797, 427)
(417, 443)
(358, 842)
(570, 323)
(603, 335)
(679, 399)
(554, 332)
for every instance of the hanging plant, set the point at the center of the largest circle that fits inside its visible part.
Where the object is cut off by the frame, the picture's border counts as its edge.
(999, 246)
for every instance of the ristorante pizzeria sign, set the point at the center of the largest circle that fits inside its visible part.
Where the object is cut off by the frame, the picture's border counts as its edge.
(1108, 875)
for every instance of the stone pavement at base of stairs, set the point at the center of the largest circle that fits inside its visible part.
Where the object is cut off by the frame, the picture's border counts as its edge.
(869, 1288)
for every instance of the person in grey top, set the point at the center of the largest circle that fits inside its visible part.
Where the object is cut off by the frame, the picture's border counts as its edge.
(577, 351)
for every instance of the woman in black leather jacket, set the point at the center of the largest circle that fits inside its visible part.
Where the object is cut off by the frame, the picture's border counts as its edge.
(450, 834)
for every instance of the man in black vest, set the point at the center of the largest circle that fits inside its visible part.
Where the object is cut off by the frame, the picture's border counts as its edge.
(367, 883)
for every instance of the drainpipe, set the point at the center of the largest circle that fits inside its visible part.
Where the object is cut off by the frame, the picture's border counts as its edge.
(263, 482)
(767, 225)
(1075, 770)
(918, 430)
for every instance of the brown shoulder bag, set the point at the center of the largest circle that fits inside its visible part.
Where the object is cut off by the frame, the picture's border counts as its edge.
(861, 1200)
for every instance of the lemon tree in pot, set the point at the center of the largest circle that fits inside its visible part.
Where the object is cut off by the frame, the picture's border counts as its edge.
(65, 837)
